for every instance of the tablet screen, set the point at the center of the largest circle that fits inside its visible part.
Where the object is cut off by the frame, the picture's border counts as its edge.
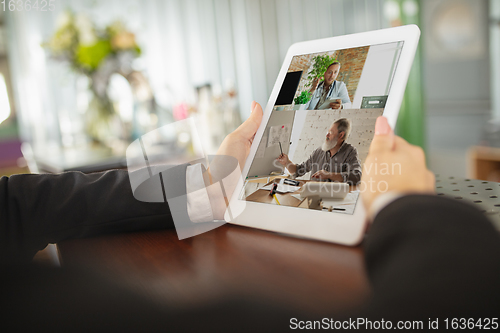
(321, 126)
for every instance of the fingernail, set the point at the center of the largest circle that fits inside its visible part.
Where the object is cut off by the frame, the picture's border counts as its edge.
(382, 126)
(254, 104)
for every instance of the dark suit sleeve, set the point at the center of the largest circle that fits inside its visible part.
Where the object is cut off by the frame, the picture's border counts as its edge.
(433, 256)
(36, 210)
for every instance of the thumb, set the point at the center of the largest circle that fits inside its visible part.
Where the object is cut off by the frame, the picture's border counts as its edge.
(384, 136)
(251, 125)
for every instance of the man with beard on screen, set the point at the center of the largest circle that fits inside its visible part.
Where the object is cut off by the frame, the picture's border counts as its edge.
(335, 160)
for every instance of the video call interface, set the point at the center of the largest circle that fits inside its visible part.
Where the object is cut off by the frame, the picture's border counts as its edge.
(321, 127)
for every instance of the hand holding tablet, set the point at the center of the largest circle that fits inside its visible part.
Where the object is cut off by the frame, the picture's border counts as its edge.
(335, 108)
(237, 144)
(411, 176)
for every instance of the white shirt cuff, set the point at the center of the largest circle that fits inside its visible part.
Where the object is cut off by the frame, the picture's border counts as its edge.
(198, 202)
(381, 202)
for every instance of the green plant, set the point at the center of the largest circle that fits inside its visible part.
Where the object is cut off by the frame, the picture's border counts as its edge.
(321, 63)
(96, 53)
(78, 41)
(303, 98)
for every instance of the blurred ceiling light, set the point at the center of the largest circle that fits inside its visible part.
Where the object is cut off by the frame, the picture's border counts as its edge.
(455, 30)
(455, 26)
(4, 100)
(410, 8)
(391, 10)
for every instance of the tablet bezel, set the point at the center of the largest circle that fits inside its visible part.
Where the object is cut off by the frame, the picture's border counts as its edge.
(338, 228)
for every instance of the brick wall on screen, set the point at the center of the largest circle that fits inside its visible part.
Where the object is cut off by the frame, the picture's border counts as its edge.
(318, 122)
(352, 61)
(300, 63)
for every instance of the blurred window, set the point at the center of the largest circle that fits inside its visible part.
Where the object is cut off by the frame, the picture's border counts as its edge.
(4, 100)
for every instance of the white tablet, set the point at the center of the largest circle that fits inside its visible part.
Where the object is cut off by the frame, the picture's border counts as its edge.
(366, 74)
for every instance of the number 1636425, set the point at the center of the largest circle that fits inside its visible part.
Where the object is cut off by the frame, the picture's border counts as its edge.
(28, 5)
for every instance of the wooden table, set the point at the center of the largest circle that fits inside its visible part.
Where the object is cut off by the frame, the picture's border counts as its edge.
(230, 261)
(484, 163)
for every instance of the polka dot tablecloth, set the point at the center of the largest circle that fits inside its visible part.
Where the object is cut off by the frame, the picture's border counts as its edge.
(482, 194)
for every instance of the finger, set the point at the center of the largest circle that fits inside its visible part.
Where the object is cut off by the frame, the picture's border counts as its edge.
(383, 140)
(401, 144)
(251, 125)
(416, 152)
(419, 154)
